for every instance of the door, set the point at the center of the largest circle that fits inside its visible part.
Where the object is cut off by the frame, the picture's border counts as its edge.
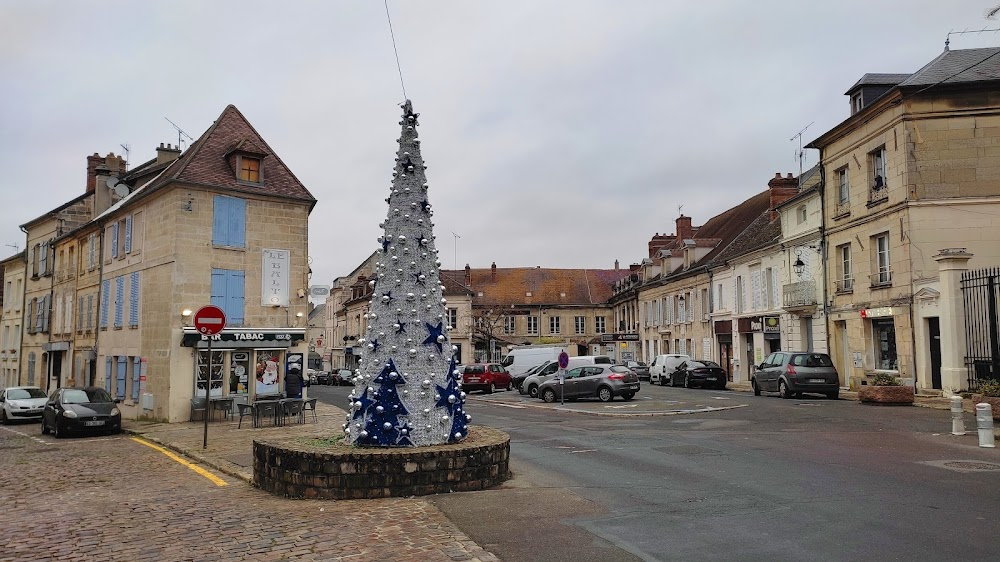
(570, 387)
(764, 379)
(725, 350)
(589, 380)
(934, 333)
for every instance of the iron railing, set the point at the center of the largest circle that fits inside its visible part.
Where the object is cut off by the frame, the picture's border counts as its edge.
(980, 293)
(842, 209)
(845, 285)
(881, 278)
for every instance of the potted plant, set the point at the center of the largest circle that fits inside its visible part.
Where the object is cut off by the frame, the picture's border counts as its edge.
(885, 389)
(989, 392)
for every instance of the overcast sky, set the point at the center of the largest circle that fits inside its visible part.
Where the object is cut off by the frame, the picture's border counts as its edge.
(557, 133)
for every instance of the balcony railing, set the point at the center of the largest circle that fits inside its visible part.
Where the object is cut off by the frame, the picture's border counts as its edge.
(799, 295)
(878, 192)
(845, 285)
(881, 278)
(842, 209)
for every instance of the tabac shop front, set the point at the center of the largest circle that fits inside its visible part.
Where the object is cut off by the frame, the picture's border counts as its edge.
(246, 363)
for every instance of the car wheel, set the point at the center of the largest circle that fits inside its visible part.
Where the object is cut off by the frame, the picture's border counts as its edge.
(490, 388)
(510, 385)
(3, 416)
(549, 395)
(687, 381)
(783, 390)
(663, 380)
(533, 391)
(55, 431)
(833, 395)
(627, 396)
(45, 428)
(520, 390)
(756, 389)
(604, 394)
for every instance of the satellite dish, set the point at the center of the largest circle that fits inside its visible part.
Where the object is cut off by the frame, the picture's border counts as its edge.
(117, 186)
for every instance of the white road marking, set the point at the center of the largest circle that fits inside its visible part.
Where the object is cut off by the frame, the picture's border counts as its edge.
(622, 406)
(719, 398)
(32, 437)
(583, 451)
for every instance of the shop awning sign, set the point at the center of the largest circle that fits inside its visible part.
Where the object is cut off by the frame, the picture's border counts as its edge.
(881, 312)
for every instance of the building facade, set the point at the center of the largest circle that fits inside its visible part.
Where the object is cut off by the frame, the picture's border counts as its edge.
(12, 285)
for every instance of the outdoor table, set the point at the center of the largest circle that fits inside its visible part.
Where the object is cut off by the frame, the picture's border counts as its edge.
(224, 405)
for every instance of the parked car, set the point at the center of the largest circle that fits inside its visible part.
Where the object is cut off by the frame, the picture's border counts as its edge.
(323, 377)
(21, 403)
(702, 374)
(603, 382)
(518, 380)
(487, 377)
(344, 377)
(792, 373)
(639, 368)
(550, 368)
(663, 365)
(80, 410)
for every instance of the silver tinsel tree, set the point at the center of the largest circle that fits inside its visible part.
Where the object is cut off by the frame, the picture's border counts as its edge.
(406, 390)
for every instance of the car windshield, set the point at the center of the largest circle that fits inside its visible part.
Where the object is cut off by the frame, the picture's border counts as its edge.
(24, 393)
(89, 396)
(620, 369)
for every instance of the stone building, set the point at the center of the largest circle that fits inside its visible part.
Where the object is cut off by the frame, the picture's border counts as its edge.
(913, 170)
(12, 285)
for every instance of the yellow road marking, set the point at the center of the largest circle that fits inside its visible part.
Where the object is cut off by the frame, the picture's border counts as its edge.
(215, 479)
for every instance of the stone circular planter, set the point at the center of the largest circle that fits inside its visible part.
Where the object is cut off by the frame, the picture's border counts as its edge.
(886, 395)
(310, 468)
(992, 401)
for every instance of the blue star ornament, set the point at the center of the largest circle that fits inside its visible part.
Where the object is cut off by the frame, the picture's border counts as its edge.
(365, 404)
(451, 389)
(435, 335)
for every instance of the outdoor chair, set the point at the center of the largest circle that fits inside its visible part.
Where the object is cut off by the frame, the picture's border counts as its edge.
(292, 407)
(264, 410)
(310, 406)
(198, 405)
(247, 410)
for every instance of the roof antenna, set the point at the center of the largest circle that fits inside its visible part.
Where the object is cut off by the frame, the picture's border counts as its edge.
(127, 149)
(679, 213)
(179, 133)
(800, 155)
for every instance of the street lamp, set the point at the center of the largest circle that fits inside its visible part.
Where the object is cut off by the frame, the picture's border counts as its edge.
(799, 266)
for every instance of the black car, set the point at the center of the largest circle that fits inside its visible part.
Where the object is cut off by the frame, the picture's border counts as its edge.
(81, 410)
(518, 380)
(704, 374)
(639, 368)
(323, 377)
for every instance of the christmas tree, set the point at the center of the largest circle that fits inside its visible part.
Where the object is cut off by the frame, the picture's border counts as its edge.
(407, 391)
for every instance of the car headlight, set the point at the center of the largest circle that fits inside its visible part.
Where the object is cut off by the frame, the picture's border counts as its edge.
(69, 413)
(115, 412)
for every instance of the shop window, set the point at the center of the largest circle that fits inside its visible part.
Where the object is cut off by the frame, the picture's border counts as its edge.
(884, 332)
(216, 381)
(267, 369)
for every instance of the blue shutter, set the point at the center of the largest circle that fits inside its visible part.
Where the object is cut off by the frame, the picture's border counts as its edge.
(237, 223)
(120, 379)
(220, 220)
(105, 299)
(219, 289)
(93, 247)
(135, 378)
(234, 298)
(133, 303)
(119, 299)
(114, 240)
(107, 374)
(128, 234)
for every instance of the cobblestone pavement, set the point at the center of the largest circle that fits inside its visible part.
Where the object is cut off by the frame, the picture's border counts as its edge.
(112, 498)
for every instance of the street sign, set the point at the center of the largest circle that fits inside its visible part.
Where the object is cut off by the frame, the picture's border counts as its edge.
(563, 360)
(209, 320)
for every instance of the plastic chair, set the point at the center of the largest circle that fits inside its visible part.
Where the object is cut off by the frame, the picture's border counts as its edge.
(310, 405)
(247, 410)
(265, 409)
(292, 407)
(198, 405)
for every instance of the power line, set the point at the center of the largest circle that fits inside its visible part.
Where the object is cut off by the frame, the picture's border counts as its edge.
(393, 36)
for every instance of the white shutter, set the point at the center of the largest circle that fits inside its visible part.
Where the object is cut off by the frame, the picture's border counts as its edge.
(755, 290)
(690, 304)
(775, 289)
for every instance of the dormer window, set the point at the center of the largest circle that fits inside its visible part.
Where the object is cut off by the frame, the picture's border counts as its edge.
(856, 105)
(250, 169)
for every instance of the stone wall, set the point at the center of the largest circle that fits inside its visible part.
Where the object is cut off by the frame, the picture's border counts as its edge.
(306, 468)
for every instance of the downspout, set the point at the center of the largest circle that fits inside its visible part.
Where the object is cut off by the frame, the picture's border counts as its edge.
(824, 253)
(24, 309)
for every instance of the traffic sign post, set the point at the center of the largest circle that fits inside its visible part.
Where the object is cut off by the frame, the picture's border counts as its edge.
(209, 321)
(563, 363)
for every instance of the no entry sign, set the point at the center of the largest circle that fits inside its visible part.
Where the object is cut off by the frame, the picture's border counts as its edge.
(209, 320)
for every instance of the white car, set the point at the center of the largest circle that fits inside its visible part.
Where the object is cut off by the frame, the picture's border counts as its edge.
(663, 365)
(21, 403)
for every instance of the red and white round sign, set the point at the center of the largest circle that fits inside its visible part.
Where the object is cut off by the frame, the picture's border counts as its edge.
(209, 320)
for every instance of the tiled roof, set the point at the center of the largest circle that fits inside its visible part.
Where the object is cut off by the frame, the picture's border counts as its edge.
(65, 205)
(760, 233)
(953, 67)
(878, 79)
(730, 224)
(581, 287)
(453, 286)
(205, 161)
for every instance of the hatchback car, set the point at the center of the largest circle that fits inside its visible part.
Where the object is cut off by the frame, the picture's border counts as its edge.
(703, 374)
(639, 368)
(487, 377)
(81, 410)
(792, 373)
(343, 377)
(323, 377)
(21, 403)
(603, 382)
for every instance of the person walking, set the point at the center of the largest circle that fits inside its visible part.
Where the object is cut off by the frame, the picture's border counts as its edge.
(293, 384)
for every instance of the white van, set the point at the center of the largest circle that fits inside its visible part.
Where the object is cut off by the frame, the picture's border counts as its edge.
(663, 365)
(520, 359)
(551, 369)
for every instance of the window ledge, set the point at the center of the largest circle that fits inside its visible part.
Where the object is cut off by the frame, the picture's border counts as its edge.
(225, 247)
(877, 202)
(881, 285)
(841, 215)
(844, 292)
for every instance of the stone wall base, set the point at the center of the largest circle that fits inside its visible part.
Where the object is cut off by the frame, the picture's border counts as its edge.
(886, 395)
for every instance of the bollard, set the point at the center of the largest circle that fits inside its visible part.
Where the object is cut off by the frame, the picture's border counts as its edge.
(957, 422)
(984, 422)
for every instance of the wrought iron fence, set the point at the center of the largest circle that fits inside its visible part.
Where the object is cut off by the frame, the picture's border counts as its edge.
(980, 293)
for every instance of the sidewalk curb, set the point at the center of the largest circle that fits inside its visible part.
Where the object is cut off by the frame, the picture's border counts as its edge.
(248, 478)
(611, 414)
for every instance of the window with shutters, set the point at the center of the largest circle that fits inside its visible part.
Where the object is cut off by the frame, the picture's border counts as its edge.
(136, 371)
(90, 312)
(108, 375)
(229, 221)
(681, 310)
(71, 263)
(31, 368)
(32, 264)
(755, 292)
(128, 235)
(68, 319)
(105, 302)
(133, 300)
(769, 288)
(92, 252)
(79, 316)
(119, 301)
(740, 295)
(227, 294)
(57, 316)
(30, 316)
(43, 260)
(113, 249)
(136, 233)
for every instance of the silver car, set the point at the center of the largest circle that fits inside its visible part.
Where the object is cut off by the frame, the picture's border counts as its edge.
(601, 381)
(21, 403)
(530, 384)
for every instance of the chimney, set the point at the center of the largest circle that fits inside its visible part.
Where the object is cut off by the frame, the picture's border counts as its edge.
(167, 153)
(468, 275)
(684, 230)
(92, 163)
(782, 189)
(493, 272)
(616, 265)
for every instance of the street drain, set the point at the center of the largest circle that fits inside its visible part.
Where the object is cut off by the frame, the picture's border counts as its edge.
(965, 466)
(968, 465)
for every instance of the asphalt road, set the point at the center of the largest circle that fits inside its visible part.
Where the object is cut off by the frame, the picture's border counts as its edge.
(771, 480)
